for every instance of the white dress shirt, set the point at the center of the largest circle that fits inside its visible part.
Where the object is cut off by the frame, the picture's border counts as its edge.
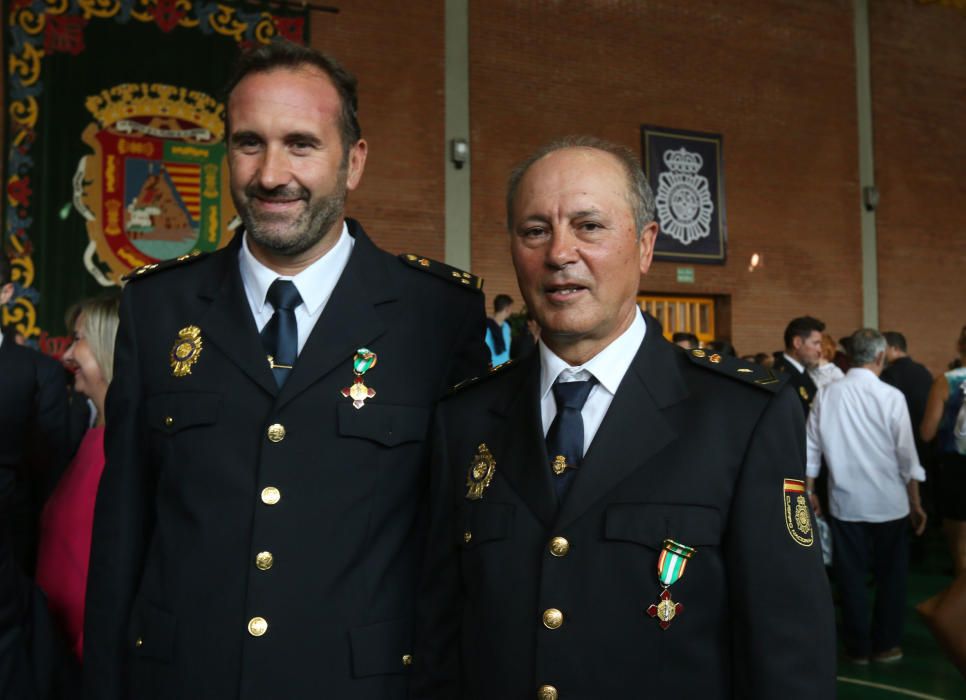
(608, 366)
(315, 284)
(862, 426)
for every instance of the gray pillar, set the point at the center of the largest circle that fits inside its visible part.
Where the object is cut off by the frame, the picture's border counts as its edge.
(457, 86)
(863, 86)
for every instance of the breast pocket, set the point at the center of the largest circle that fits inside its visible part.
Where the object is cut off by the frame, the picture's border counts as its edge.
(649, 524)
(174, 412)
(386, 425)
(484, 522)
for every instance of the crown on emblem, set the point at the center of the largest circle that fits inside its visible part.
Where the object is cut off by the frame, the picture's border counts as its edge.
(133, 100)
(683, 161)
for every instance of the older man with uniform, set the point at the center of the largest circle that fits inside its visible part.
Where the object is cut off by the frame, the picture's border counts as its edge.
(259, 528)
(614, 516)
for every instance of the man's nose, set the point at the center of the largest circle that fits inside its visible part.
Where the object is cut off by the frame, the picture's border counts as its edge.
(564, 247)
(275, 169)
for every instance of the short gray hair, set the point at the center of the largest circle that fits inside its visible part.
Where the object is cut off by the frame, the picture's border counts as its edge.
(866, 344)
(639, 194)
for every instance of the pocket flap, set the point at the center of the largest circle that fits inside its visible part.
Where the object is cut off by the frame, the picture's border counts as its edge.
(176, 411)
(485, 522)
(650, 524)
(382, 648)
(386, 424)
(153, 632)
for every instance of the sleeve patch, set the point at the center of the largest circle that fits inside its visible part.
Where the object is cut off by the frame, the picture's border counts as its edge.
(798, 513)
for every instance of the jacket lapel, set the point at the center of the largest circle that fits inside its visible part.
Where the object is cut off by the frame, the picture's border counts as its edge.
(522, 456)
(228, 322)
(634, 429)
(349, 321)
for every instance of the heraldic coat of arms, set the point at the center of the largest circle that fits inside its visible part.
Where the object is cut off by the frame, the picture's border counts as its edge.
(156, 185)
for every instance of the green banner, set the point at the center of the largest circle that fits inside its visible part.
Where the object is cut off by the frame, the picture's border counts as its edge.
(115, 142)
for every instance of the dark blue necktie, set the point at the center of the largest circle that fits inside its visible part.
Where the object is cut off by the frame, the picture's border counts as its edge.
(280, 336)
(565, 439)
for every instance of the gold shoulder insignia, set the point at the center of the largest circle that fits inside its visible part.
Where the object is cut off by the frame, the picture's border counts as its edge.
(737, 369)
(499, 369)
(446, 272)
(145, 270)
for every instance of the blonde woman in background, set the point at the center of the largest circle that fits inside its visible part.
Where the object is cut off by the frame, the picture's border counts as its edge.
(68, 516)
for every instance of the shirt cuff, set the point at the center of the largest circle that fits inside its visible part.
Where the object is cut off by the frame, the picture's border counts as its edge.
(917, 473)
(813, 470)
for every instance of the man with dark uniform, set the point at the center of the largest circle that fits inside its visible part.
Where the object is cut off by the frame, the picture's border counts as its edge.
(614, 516)
(259, 524)
(803, 349)
(33, 434)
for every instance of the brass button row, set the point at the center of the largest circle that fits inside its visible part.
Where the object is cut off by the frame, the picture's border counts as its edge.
(257, 626)
(559, 546)
(168, 421)
(552, 618)
(407, 659)
(276, 432)
(547, 692)
(271, 495)
(264, 560)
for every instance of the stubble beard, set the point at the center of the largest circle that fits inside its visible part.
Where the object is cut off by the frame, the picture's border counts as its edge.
(282, 235)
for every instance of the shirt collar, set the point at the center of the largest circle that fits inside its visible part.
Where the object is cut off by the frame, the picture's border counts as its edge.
(862, 373)
(608, 366)
(794, 363)
(311, 282)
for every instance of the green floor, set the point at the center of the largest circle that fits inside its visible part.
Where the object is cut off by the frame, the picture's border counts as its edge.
(924, 672)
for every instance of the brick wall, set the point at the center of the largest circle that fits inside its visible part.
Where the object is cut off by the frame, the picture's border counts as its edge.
(776, 79)
(919, 96)
(396, 50)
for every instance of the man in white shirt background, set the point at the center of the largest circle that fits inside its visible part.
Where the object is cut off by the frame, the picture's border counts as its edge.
(861, 426)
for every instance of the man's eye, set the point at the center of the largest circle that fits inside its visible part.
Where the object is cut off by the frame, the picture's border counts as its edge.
(590, 226)
(246, 144)
(533, 232)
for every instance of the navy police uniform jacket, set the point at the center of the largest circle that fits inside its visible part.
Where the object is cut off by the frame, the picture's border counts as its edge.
(251, 542)
(529, 598)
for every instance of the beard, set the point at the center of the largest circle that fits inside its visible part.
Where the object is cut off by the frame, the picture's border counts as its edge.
(284, 234)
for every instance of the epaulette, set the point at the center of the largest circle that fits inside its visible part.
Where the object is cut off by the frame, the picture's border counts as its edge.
(737, 369)
(144, 270)
(447, 272)
(494, 371)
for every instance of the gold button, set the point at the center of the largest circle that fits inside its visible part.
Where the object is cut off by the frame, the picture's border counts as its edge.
(168, 421)
(264, 560)
(559, 546)
(547, 692)
(407, 659)
(552, 618)
(467, 536)
(138, 642)
(271, 495)
(257, 626)
(276, 432)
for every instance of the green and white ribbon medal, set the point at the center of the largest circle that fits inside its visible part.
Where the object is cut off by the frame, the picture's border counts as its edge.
(671, 564)
(364, 360)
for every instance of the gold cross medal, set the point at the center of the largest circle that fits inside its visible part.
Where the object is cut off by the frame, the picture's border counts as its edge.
(363, 361)
(670, 567)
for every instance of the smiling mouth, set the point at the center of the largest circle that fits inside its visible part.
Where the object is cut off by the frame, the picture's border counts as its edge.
(563, 292)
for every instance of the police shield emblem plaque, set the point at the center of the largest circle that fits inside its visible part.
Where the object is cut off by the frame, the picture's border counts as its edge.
(480, 473)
